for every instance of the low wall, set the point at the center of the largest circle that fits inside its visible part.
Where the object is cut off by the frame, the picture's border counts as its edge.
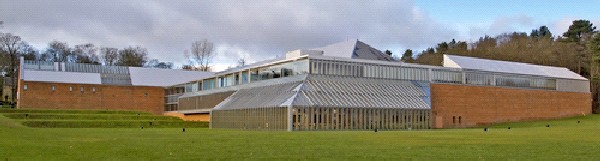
(40, 95)
(190, 117)
(469, 106)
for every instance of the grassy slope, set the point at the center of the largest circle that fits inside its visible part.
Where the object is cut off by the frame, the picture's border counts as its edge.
(565, 139)
(51, 118)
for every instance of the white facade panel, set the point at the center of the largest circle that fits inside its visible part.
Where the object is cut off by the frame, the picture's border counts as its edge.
(62, 77)
(342, 49)
(449, 62)
(164, 77)
(567, 85)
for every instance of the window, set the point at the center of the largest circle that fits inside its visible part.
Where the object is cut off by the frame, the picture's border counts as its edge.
(453, 119)
(146, 94)
(71, 88)
(459, 119)
(94, 89)
(53, 88)
(81, 89)
(25, 87)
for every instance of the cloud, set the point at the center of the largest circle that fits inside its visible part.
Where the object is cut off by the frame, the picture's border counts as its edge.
(561, 26)
(259, 29)
(509, 24)
(503, 24)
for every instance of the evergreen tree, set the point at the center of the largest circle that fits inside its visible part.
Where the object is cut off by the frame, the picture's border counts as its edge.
(407, 56)
(579, 29)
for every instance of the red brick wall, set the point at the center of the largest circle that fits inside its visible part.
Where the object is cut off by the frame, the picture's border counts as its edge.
(41, 95)
(483, 105)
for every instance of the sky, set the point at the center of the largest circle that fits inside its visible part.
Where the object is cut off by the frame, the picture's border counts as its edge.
(263, 29)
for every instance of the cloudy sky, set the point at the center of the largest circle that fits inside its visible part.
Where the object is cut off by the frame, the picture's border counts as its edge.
(257, 29)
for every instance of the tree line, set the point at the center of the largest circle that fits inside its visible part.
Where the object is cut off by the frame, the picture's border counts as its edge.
(13, 46)
(58, 51)
(578, 49)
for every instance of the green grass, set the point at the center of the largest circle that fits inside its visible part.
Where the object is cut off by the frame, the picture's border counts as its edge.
(63, 111)
(563, 140)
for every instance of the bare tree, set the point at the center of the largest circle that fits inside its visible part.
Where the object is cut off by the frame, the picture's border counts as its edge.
(109, 56)
(28, 51)
(60, 51)
(155, 63)
(202, 53)
(11, 44)
(85, 53)
(130, 56)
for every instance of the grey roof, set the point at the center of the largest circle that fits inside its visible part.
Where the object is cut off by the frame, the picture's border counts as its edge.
(508, 67)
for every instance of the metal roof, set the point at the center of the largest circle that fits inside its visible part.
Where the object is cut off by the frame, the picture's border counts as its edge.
(508, 67)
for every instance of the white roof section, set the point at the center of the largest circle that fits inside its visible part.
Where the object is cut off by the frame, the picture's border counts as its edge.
(343, 49)
(164, 77)
(508, 67)
(353, 49)
(62, 77)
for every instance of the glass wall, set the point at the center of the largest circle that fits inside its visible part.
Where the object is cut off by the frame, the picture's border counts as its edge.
(479, 78)
(446, 76)
(244, 78)
(189, 87)
(281, 70)
(171, 97)
(226, 80)
(372, 70)
(208, 84)
(368, 70)
(438, 75)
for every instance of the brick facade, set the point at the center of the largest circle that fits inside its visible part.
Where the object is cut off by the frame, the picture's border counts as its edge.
(469, 106)
(71, 96)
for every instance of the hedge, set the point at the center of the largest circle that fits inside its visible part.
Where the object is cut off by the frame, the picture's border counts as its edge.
(114, 124)
(44, 116)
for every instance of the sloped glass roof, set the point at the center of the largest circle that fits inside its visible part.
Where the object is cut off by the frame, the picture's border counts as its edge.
(332, 91)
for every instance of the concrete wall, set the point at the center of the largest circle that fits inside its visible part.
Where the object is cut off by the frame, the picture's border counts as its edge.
(41, 95)
(572, 85)
(203, 101)
(469, 106)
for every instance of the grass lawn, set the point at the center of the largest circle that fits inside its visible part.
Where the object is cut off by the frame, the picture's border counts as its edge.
(564, 139)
